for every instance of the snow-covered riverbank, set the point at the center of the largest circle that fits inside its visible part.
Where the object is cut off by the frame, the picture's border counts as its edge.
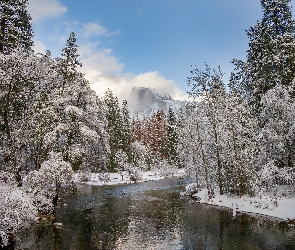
(282, 207)
(124, 177)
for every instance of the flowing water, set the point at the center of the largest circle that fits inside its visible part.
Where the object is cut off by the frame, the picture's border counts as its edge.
(151, 215)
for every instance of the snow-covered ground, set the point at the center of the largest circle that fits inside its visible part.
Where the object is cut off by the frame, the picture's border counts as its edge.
(124, 177)
(282, 207)
(16, 211)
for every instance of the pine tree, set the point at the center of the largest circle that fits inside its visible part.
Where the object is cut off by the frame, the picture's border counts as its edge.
(80, 130)
(67, 69)
(15, 26)
(69, 62)
(136, 128)
(113, 116)
(21, 77)
(126, 132)
(172, 138)
(126, 135)
(271, 54)
(158, 134)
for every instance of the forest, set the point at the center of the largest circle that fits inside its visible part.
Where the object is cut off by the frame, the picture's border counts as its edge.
(237, 136)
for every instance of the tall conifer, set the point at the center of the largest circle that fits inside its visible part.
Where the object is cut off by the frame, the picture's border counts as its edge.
(271, 54)
(15, 25)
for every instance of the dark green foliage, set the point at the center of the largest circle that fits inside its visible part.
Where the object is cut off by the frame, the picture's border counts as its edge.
(118, 128)
(172, 138)
(271, 54)
(76, 164)
(125, 128)
(15, 26)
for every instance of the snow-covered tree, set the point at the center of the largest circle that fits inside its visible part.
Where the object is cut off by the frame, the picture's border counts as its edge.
(15, 26)
(271, 53)
(46, 183)
(126, 129)
(15, 211)
(194, 149)
(114, 126)
(240, 143)
(208, 85)
(80, 129)
(22, 76)
(277, 138)
(172, 138)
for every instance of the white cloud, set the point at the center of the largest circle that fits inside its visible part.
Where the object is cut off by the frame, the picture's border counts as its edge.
(104, 70)
(100, 66)
(156, 81)
(40, 9)
(97, 61)
(95, 29)
(39, 47)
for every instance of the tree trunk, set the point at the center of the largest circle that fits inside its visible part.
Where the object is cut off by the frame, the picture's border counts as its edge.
(218, 161)
(209, 187)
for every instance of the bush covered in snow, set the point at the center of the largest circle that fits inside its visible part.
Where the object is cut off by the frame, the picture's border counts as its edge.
(46, 183)
(191, 189)
(135, 176)
(15, 211)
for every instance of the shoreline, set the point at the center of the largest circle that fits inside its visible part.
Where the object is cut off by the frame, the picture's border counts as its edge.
(117, 178)
(241, 212)
(280, 209)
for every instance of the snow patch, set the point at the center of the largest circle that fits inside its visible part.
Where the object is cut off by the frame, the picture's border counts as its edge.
(280, 207)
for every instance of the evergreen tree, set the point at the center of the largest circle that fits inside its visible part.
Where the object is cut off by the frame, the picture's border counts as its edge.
(69, 62)
(271, 54)
(80, 130)
(15, 26)
(125, 133)
(172, 138)
(158, 134)
(67, 69)
(21, 74)
(136, 129)
(114, 129)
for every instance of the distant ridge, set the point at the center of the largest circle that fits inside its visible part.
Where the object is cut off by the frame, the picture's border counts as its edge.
(146, 101)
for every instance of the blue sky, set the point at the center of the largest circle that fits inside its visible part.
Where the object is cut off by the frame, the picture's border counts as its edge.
(152, 43)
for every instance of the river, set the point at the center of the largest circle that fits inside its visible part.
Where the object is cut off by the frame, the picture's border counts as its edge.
(150, 215)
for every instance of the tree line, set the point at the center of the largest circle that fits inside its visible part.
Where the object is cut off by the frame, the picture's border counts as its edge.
(238, 136)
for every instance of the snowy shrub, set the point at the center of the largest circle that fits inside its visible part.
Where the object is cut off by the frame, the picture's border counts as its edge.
(272, 176)
(15, 212)
(46, 183)
(7, 178)
(167, 170)
(135, 176)
(191, 189)
(81, 177)
(121, 160)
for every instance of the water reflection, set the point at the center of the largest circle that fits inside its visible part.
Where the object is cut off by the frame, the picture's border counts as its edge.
(151, 216)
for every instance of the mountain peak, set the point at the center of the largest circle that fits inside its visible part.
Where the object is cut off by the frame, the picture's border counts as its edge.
(143, 92)
(146, 101)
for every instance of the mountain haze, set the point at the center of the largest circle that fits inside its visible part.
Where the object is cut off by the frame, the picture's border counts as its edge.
(146, 101)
